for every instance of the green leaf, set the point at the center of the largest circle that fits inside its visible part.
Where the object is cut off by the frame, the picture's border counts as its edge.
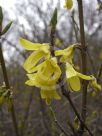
(53, 21)
(7, 27)
(1, 18)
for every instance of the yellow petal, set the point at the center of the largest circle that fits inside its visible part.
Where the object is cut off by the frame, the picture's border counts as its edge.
(32, 83)
(66, 51)
(70, 72)
(74, 83)
(73, 77)
(31, 46)
(68, 4)
(49, 73)
(49, 95)
(85, 77)
(95, 85)
(33, 59)
(46, 76)
(66, 54)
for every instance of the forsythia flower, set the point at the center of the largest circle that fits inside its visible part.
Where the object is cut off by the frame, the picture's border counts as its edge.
(73, 78)
(68, 4)
(66, 54)
(44, 72)
(44, 75)
(45, 78)
(40, 51)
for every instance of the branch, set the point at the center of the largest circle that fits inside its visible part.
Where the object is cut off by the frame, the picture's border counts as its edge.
(8, 87)
(84, 66)
(58, 124)
(67, 95)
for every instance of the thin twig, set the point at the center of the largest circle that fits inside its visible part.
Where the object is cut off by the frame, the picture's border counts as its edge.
(61, 128)
(52, 40)
(76, 29)
(8, 87)
(84, 66)
(72, 128)
(64, 92)
(58, 124)
(67, 95)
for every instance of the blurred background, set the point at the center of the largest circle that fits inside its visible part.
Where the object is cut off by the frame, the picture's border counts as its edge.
(31, 21)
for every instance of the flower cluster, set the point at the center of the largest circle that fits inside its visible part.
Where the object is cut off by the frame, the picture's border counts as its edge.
(44, 72)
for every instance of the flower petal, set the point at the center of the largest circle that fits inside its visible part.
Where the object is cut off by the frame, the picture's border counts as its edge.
(74, 83)
(86, 77)
(33, 59)
(66, 54)
(31, 46)
(48, 95)
(95, 85)
(49, 73)
(70, 72)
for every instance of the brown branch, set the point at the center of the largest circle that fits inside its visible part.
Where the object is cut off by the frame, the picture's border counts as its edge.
(58, 124)
(2, 61)
(67, 95)
(52, 36)
(84, 66)
(61, 128)
(76, 30)
(63, 90)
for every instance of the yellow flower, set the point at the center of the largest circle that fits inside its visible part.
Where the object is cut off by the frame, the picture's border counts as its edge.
(45, 77)
(40, 51)
(68, 4)
(48, 95)
(73, 77)
(66, 54)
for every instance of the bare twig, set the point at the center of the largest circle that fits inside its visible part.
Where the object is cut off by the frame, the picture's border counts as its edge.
(58, 124)
(84, 65)
(67, 95)
(8, 87)
(72, 128)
